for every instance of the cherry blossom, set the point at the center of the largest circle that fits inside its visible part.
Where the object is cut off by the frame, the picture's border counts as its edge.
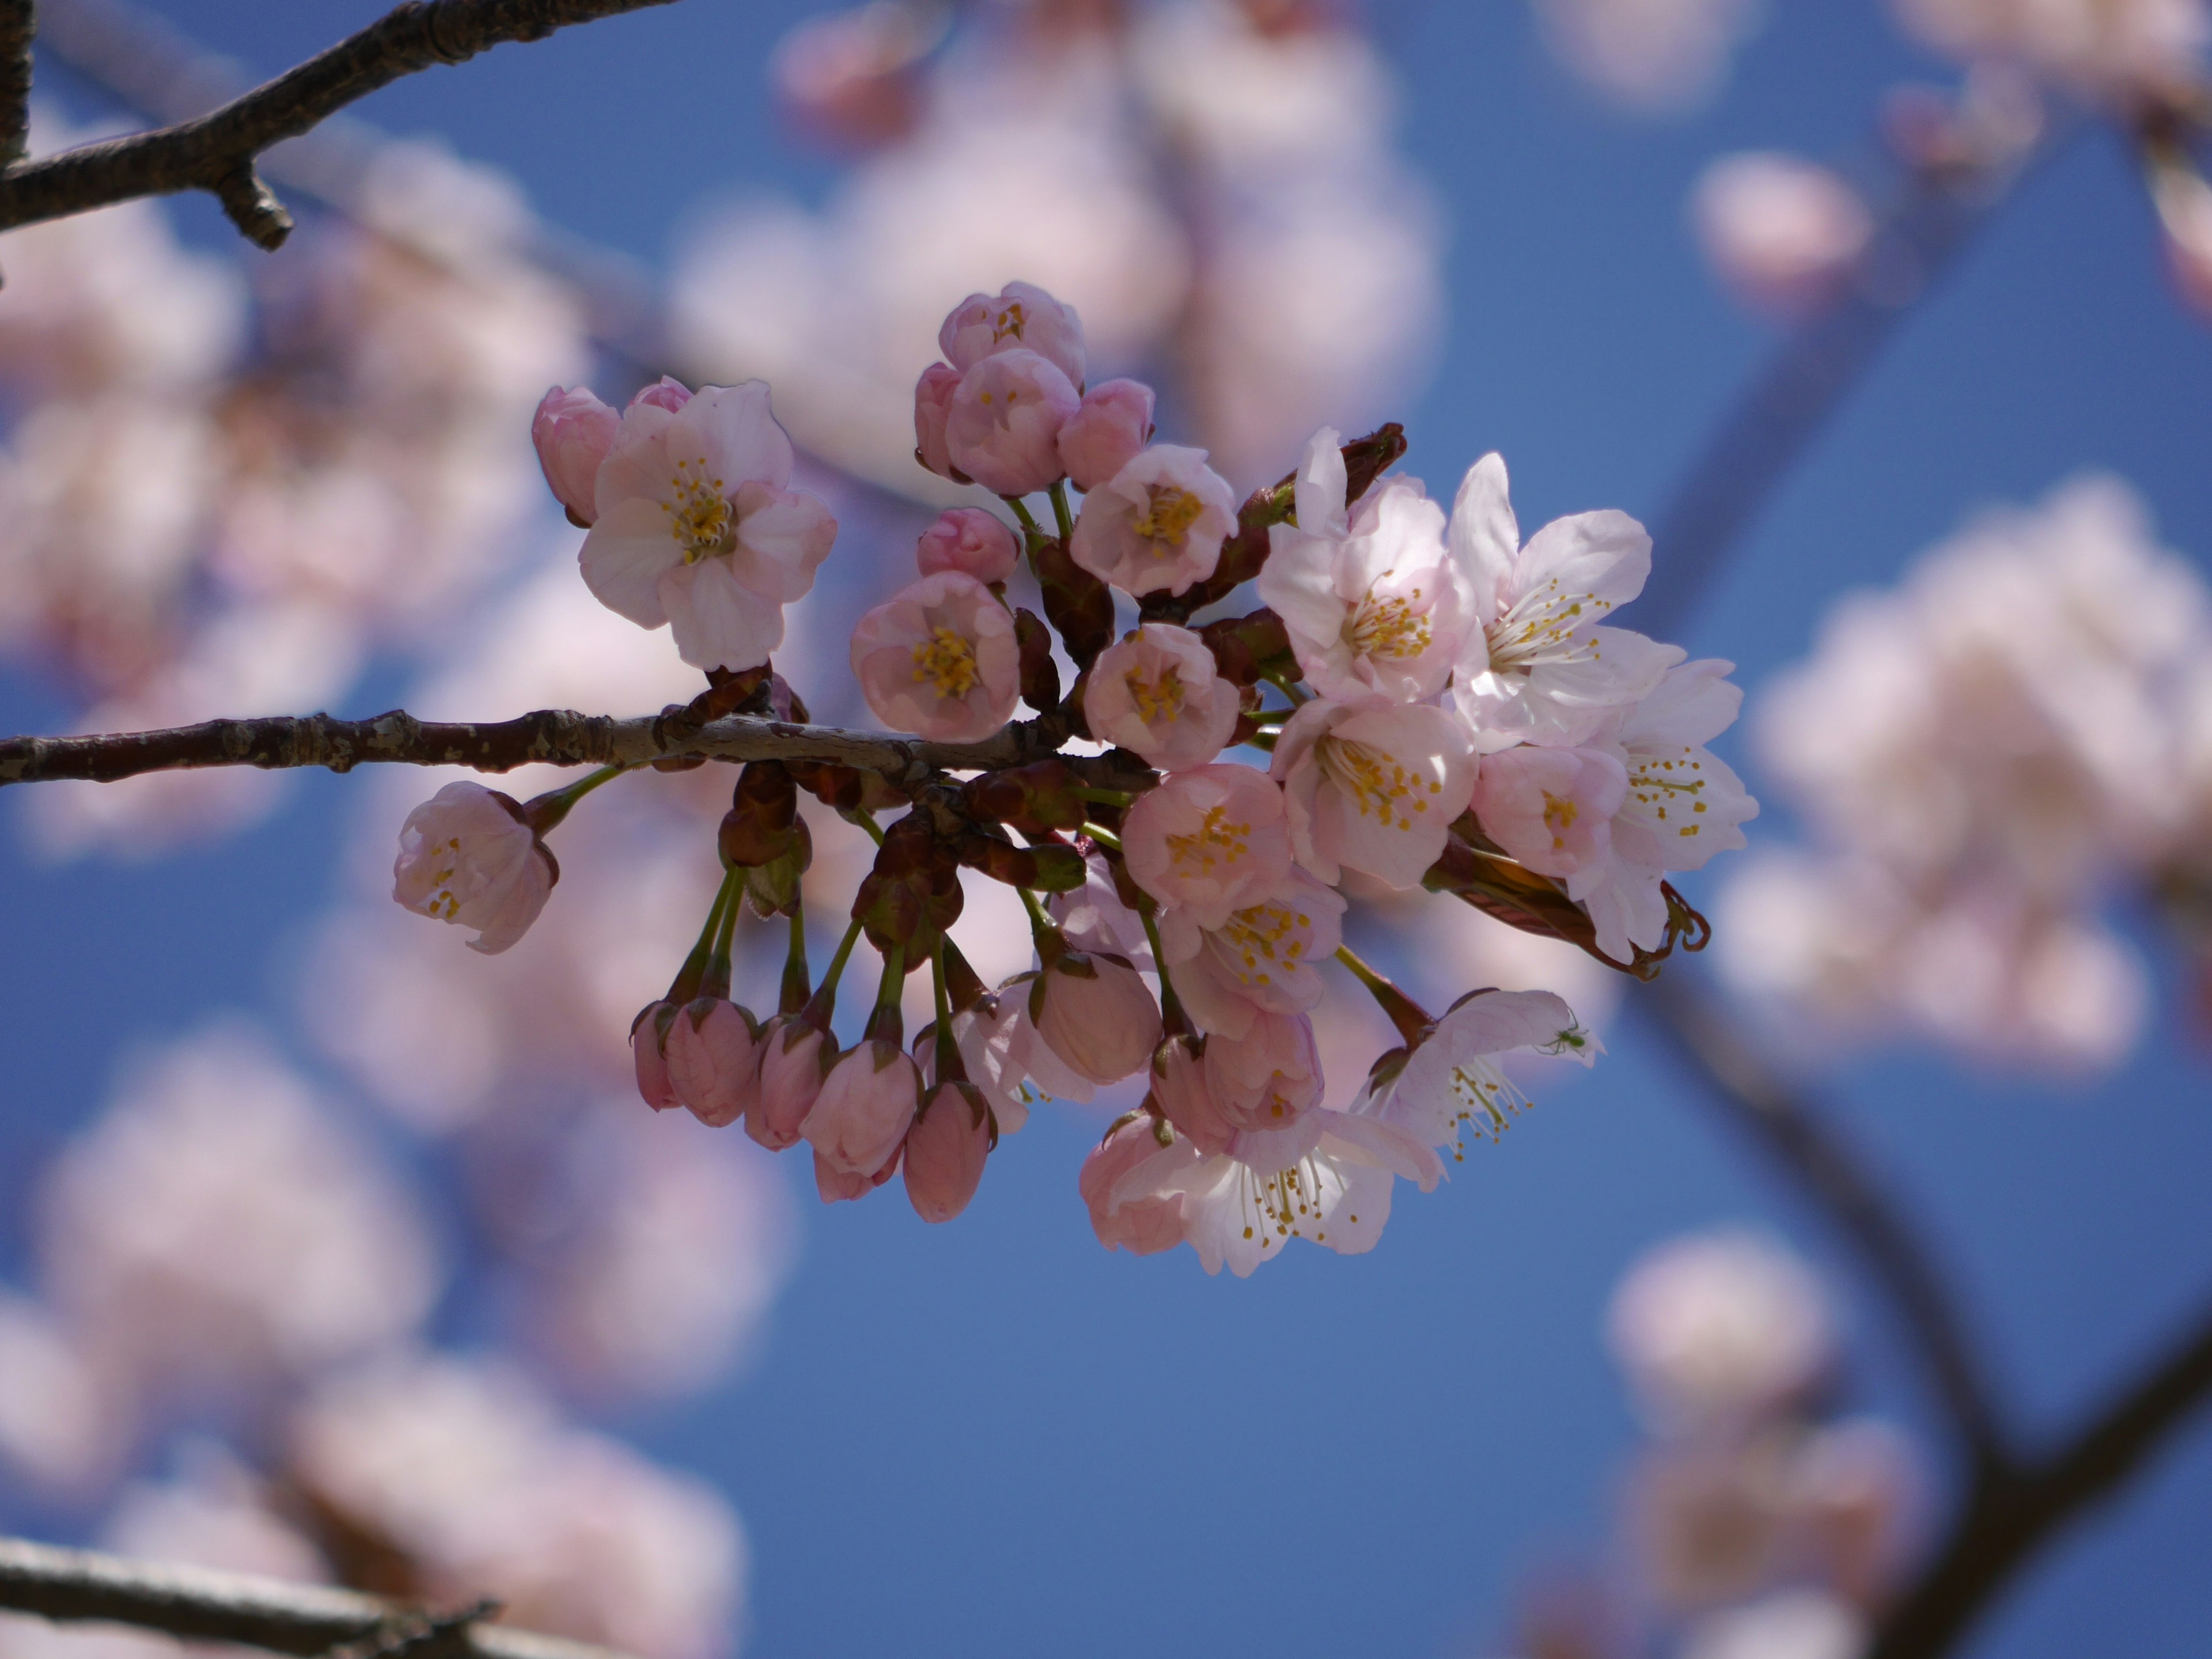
(1021, 317)
(1095, 1014)
(1451, 1078)
(1157, 525)
(1209, 841)
(939, 659)
(1651, 55)
(1113, 423)
(1782, 232)
(1002, 426)
(933, 417)
(1372, 786)
(712, 1057)
(1244, 1091)
(863, 1110)
(698, 527)
(945, 1151)
(1541, 664)
(1159, 694)
(1372, 604)
(467, 857)
(971, 541)
(1264, 959)
(2120, 51)
(1552, 809)
(573, 431)
(648, 1043)
(1143, 1226)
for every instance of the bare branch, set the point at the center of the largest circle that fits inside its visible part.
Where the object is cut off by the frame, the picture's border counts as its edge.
(187, 1602)
(216, 152)
(554, 737)
(1755, 1098)
(2006, 1521)
(17, 24)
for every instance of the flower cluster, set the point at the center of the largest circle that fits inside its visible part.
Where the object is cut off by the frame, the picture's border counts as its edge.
(1429, 703)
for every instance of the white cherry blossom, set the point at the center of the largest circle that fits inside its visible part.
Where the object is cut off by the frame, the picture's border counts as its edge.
(1372, 786)
(466, 857)
(1451, 1078)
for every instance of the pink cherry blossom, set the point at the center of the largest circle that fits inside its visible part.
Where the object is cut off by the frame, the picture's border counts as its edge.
(1371, 602)
(1783, 233)
(1552, 808)
(1159, 694)
(1142, 1226)
(712, 1057)
(838, 1186)
(573, 432)
(792, 1056)
(1094, 918)
(945, 1151)
(1451, 1078)
(1264, 958)
(1244, 1089)
(466, 857)
(1372, 786)
(994, 1038)
(1023, 317)
(1096, 1015)
(1104, 434)
(1157, 525)
(969, 540)
(1208, 840)
(1003, 427)
(648, 1044)
(933, 411)
(866, 1104)
(939, 659)
(698, 526)
(1538, 664)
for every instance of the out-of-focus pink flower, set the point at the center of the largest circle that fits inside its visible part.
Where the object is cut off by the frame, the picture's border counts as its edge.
(466, 857)
(1797, 1623)
(1266, 958)
(1096, 1015)
(939, 659)
(865, 1106)
(945, 1151)
(649, 1045)
(573, 431)
(2185, 211)
(1023, 317)
(1452, 1079)
(1782, 232)
(1157, 525)
(849, 78)
(1651, 54)
(2118, 52)
(1370, 601)
(1372, 786)
(1551, 808)
(1208, 840)
(1002, 427)
(714, 1060)
(972, 541)
(932, 414)
(1159, 694)
(1105, 435)
(698, 526)
(1538, 666)
(792, 1070)
(1142, 1226)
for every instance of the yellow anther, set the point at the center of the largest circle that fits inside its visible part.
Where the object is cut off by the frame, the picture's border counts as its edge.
(947, 662)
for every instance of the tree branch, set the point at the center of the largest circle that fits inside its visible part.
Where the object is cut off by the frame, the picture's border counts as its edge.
(1756, 1099)
(16, 25)
(2006, 1521)
(195, 1605)
(554, 737)
(216, 152)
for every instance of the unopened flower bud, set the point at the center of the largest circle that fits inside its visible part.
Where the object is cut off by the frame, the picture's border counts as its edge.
(792, 1055)
(1146, 1225)
(933, 408)
(970, 540)
(467, 857)
(573, 431)
(713, 1060)
(648, 1038)
(837, 1185)
(1096, 1015)
(945, 1151)
(667, 393)
(1104, 434)
(1003, 428)
(866, 1102)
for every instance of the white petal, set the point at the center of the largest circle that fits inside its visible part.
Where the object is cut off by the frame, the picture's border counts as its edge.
(719, 621)
(1605, 555)
(1692, 705)
(1485, 538)
(736, 434)
(623, 559)
(1321, 484)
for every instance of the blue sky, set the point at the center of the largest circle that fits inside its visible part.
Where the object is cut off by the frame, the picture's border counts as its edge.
(993, 1436)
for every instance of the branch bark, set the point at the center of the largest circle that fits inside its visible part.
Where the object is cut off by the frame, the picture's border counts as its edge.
(216, 152)
(556, 737)
(1755, 1099)
(16, 25)
(72, 1586)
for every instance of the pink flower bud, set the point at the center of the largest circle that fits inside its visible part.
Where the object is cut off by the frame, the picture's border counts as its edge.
(1096, 1015)
(837, 1185)
(866, 1104)
(939, 659)
(667, 393)
(972, 541)
(1145, 1226)
(573, 431)
(466, 857)
(945, 1150)
(1159, 694)
(714, 1060)
(1023, 317)
(648, 1038)
(1104, 434)
(1003, 430)
(791, 1071)
(933, 408)
(1157, 524)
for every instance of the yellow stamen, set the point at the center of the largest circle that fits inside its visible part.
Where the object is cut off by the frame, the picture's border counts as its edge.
(946, 661)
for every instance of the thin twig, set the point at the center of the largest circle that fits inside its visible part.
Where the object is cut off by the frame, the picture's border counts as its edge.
(1756, 1099)
(17, 24)
(555, 737)
(216, 152)
(70, 1586)
(2005, 1522)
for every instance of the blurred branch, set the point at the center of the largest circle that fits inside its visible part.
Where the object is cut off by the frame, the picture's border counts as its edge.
(187, 1602)
(1754, 1097)
(216, 152)
(2006, 1521)
(556, 737)
(16, 26)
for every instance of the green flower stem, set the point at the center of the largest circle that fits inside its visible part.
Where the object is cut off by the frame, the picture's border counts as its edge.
(1408, 1016)
(543, 813)
(1173, 1020)
(1103, 836)
(822, 1008)
(884, 1024)
(1104, 796)
(1060, 515)
(1021, 512)
(687, 983)
(795, 991)
(866, 821)
(949, 1067)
